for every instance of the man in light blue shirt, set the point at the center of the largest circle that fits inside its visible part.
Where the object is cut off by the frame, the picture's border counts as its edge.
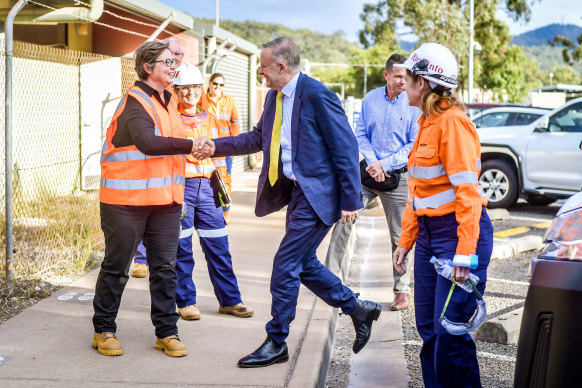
(385, 131)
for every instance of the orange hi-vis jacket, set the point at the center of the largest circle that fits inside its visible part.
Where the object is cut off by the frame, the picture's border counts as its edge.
(225, 110)
(130, 177)
(202, 124)
(443, 173)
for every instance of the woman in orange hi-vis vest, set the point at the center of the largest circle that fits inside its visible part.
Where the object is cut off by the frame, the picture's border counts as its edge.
(142, 190)
(446, 218)
(204, 209)
(223, 107)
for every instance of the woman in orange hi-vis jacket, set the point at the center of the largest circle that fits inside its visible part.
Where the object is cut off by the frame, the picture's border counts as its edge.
(445, 217)
(142, 190)
(223, 106)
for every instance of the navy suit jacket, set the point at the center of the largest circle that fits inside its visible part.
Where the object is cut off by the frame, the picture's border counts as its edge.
(324, 153)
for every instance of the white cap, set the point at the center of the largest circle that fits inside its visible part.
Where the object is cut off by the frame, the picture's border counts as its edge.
(187, 74)
(434, 62)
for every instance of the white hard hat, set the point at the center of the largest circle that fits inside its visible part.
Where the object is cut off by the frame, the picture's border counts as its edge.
(187, 74)
(434, 62)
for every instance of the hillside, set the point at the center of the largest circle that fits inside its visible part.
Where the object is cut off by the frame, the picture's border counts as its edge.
(315, 46)
(541, 36)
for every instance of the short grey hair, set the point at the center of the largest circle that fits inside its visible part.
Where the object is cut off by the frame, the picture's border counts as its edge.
(284, 50)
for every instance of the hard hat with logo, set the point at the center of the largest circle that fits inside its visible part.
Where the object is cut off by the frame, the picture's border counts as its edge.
(434, 62)
(187, 74)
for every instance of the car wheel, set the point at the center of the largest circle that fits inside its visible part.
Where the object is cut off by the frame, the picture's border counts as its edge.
(538, 200)
(500, 184)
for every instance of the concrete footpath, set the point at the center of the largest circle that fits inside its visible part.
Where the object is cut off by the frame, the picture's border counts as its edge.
(49, 344)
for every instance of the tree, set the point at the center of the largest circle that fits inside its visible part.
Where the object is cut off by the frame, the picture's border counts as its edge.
(498, 66)
(571, 53)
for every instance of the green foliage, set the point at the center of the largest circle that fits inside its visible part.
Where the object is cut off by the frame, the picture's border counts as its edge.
(571, 52)
(497, 66)
(315, 46)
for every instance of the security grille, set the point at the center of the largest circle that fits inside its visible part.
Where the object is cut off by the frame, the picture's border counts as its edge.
(235, 68)
(61, 107)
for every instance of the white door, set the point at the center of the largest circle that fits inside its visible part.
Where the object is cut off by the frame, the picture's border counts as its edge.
(554, 159)
(100, 94)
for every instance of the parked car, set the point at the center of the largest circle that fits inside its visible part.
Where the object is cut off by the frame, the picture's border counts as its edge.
(507, 116)
(474, 108)
(539, 162)
(548, 351)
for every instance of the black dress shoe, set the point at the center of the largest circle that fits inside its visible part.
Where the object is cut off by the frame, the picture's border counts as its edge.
(365, 313)
(268, 353)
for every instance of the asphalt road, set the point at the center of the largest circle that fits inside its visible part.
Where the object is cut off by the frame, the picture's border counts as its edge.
(506, 291)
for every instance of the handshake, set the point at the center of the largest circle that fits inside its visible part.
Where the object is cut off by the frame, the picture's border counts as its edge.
(203, 148)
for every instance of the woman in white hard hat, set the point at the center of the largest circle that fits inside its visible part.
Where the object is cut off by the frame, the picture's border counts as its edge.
(445, 217)
(204, 208)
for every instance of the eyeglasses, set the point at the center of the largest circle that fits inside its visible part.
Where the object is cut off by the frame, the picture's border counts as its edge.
(168, 62)
(187, 88)
(217, 84)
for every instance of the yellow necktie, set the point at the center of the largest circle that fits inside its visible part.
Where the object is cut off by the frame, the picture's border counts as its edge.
(276, 140)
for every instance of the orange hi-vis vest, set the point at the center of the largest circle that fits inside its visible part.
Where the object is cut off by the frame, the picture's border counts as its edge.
(443, 177)
(225, 110)
(130, 177)
(202, 124)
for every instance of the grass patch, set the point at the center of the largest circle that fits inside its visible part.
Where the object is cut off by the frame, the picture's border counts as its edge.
(56, 240)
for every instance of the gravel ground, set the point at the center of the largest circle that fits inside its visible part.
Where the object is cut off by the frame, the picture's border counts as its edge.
(24, 294)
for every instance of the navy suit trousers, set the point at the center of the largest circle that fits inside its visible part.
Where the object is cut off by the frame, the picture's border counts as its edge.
(296, 262)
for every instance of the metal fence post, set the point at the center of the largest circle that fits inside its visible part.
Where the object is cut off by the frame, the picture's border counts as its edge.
(8, 30)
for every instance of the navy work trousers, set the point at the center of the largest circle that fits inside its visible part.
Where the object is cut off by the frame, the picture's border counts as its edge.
(295, 262)
(205, 215)
(123, 227)
(447, 360)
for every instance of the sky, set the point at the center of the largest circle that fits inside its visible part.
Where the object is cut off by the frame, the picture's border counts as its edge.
(329, 16)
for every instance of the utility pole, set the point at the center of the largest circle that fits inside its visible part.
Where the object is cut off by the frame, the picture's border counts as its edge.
(217, 12)
(471, 46)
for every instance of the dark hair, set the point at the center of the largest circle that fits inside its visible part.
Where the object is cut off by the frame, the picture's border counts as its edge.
(284, 50)
(215, 76)
(147, 53)
(394, 58)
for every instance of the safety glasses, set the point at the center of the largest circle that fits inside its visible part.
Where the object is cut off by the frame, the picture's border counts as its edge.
(476, 320)
(217, 84)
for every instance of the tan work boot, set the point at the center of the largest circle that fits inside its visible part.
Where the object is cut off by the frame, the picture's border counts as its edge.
(172, 346)
(139, 270)
(238, 310)
(189, 313)
(106, 344)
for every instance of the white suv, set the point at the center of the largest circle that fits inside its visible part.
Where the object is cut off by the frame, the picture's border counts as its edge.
(540, 162)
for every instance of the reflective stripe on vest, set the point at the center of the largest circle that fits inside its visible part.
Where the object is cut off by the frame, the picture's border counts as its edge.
(225, 129)
(434, 201)
(199, 168)
(235, 122)
(223, 117)
(219, 163)
(463, 177)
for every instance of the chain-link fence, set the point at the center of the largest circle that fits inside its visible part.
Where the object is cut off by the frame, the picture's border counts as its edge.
(62, 102)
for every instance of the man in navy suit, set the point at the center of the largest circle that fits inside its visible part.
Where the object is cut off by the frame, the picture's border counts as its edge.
(311, 166)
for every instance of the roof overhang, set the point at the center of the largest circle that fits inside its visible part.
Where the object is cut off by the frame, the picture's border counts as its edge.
(155, 10)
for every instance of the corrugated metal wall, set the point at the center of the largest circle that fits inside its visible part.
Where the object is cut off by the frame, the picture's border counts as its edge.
(235, 68)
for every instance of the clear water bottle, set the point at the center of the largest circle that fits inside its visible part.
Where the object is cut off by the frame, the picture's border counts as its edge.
(444, 267)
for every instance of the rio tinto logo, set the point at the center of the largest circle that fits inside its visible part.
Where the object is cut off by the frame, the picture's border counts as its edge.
(431, 67)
